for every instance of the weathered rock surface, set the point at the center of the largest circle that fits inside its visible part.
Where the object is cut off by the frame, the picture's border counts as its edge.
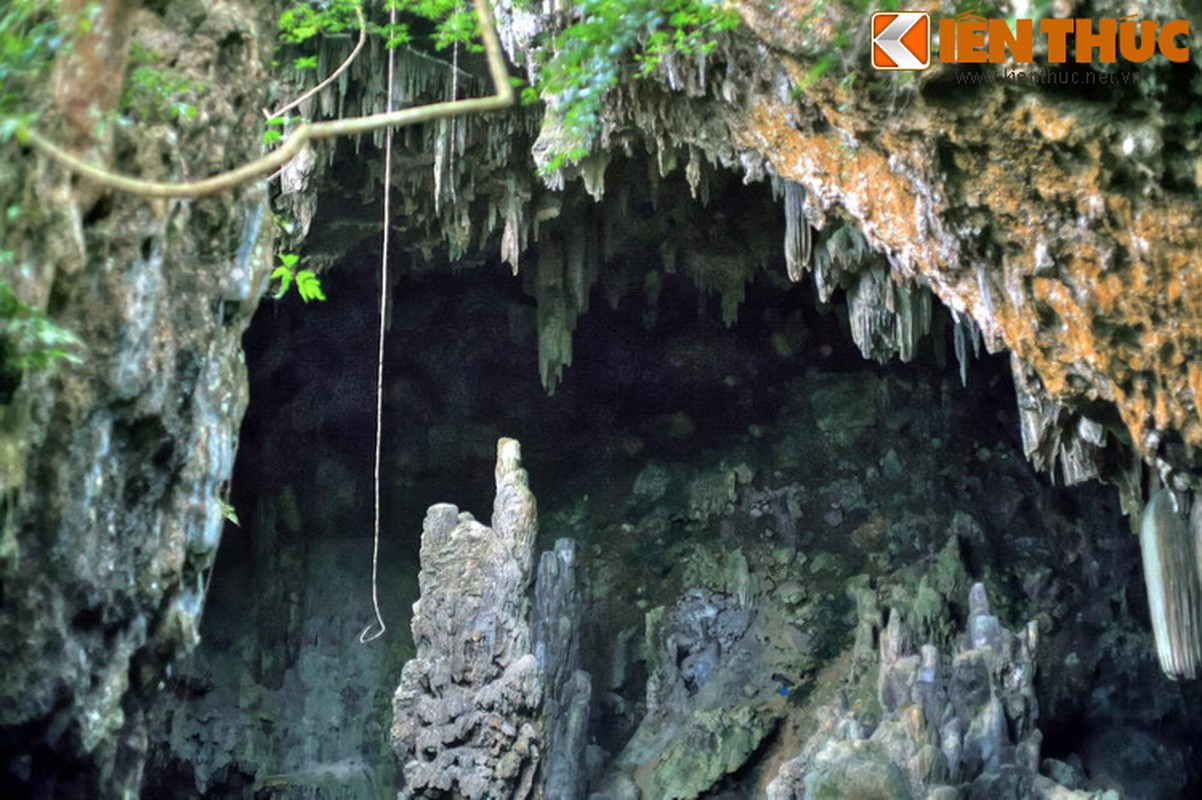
(486, 708)
(1057, 231)
(969, 722)
(556, 631)
(113, 470)
(1063, 229)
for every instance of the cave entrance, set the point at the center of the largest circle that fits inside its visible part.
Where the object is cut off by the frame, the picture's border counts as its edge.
(684, 421)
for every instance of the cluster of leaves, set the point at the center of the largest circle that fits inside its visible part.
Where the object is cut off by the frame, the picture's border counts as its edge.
(607, 42)
(29, 39)
(276, 127)
(305, 20)
(28, 340)
(155, 94)
(615, 40)
(455, 22)
(308, 285)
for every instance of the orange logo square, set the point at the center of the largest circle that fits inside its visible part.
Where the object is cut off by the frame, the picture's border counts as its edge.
(901, 40)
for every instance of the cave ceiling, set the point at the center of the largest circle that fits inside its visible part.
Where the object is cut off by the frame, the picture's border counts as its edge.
(1059, 225)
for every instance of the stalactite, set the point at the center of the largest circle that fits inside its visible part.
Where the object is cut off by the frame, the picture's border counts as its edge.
(1052, 433)
(1172, 578)
(727, 275)
(1129, 479)
(797, 231)
(842, 253)
(561, 282)
(1081, 452)
(554, 331)
(513, 238)
(870, 320)
(912, 318)
(665, 155)
(886, 318)
(692, 171)
(440, 160)
(1039, 418)
(964, 333)
(592, 172)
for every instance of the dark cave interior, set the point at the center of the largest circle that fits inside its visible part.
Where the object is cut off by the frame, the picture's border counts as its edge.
(662, 380)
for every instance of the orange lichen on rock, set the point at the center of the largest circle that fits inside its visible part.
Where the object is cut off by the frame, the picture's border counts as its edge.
(1028, 224)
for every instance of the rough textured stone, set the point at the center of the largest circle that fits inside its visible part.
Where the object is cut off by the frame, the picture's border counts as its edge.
(1069, 245)
(971, 724)
(555, 632)
(113, 469)
(493, 704)
(712, 744)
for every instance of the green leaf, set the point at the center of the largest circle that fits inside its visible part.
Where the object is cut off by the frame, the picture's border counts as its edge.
(305, 62)
(229, 512)
(284, 276)
(309, 286)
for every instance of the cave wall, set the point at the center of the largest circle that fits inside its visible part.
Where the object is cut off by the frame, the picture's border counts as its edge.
(114, 468)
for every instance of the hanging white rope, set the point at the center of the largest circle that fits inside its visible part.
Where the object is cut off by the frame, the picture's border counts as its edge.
(454, 127)
(376, 629)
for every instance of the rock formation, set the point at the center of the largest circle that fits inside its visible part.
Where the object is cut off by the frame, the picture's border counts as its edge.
(487, 708)
(964, 724)
(113, 470)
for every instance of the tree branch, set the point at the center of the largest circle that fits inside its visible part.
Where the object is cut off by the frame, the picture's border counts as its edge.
(503, 98)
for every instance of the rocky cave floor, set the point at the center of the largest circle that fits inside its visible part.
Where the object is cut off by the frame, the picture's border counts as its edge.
(794, 521)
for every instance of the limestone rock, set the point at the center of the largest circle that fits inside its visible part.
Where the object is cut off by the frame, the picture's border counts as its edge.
(113, 469)
(555, 625)
(713, 744)
(467, 713)
(494, 704)
(967, 722)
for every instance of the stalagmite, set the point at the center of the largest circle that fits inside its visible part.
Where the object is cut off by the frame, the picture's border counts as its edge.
(797, 231)
(1174, 593)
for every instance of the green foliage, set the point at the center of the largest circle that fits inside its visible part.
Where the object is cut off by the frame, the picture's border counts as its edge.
(308, 19)
(275, 129)
(153, 94)
(613, 40)
(28, 340)
(29, 39)
(606, 42)
(304, 20)
(308, 285)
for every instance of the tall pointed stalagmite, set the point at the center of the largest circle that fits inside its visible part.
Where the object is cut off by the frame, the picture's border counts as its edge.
(1174, 593)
